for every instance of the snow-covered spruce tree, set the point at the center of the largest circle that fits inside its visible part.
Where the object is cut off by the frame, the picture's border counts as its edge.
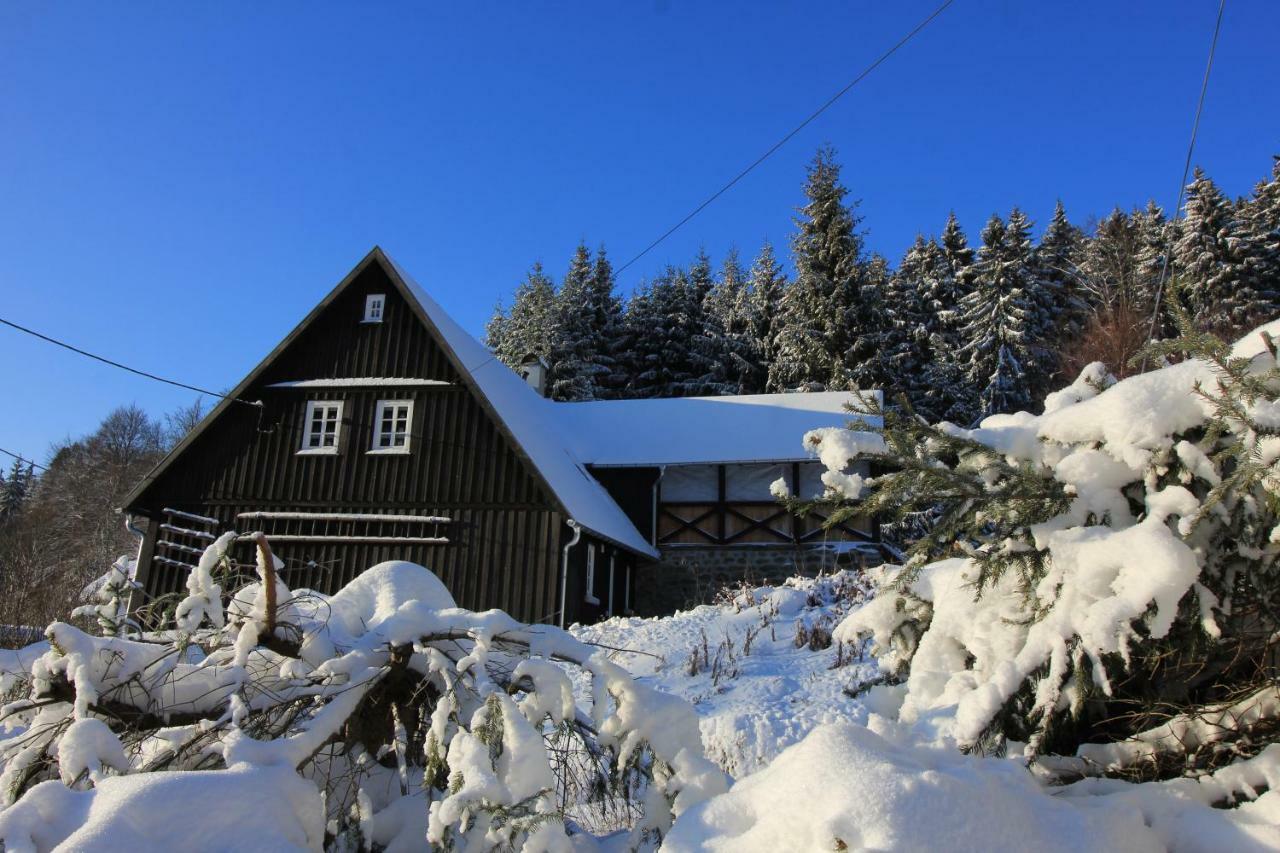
(15, 489)
(382, 717)
(1260, 216)
(766, 287)
(1055, 261)
(866, 324)
(659, 326)
(529, 329)
(996, 318)
(1210, 252)
(814, 346)
(911, 321)
(1102, 580)
(1043, 299)
(587, 314)
(948, 395)
(726, 351)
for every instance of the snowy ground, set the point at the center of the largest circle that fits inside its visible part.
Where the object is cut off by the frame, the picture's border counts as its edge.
(755, 689)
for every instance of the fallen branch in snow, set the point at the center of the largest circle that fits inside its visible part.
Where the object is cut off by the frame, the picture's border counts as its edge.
(408, 713)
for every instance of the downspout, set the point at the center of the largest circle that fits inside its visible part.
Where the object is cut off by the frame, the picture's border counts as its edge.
(564, 567)
(137, 558)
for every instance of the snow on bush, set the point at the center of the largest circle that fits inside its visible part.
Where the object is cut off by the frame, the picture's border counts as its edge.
(849, 787)
(382, 715)
(1091, 571)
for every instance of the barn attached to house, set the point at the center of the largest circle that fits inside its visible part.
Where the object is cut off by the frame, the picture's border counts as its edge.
(379, 429)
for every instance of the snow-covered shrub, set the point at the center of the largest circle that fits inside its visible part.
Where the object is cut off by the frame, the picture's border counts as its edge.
(853, 787)
(380, 716)
(112, 593)
(1091, 571)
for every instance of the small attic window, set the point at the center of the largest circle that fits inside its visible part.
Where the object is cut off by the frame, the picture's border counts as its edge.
(373, 306)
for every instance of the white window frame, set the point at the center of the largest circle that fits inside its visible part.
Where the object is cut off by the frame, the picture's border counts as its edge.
(375, 308)
(308, 428)
(590, 596)
(377, 447)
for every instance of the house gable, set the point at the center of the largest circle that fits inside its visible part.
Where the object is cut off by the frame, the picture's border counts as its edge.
(240, 452)
(330, 340)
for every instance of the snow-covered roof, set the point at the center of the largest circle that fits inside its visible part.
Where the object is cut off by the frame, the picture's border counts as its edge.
(711, 430)
(359, 382)
(532, 420)
(561, 439)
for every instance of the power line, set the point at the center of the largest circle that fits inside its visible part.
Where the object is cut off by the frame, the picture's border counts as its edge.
(784, 140)
(23, 459)
(117, 364)
(1186, 167)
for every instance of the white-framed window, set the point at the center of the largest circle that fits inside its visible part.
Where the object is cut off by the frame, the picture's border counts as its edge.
(374, 305)
(591, 575)
(322, 427)
(391, 425)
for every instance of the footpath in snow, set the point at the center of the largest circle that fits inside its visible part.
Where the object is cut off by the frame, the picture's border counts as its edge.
(759, 666)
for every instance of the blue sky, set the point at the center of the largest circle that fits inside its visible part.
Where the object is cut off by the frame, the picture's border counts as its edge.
(180, 183)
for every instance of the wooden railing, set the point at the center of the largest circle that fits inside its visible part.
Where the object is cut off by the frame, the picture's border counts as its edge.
(752, 522)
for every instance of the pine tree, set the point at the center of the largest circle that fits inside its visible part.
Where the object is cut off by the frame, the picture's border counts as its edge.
(608, 308)
(530, 327)
(766, 290)
(960, 256)
(1212, 277)
(949, 396)
(1261, 220)
(586, 316)
(912, 321)
(815, 345)
(1153, 267)
(995, 322)
(495, 331)
(726, 352)
(660, 324)
(1044, 306)
(1056, 261)
(866, 325)
(15, 489)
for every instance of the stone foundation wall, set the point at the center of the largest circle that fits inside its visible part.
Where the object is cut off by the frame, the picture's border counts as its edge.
(687, 577)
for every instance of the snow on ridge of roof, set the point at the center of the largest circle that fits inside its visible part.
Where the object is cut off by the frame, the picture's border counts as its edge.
(704, 430)
(530, 418)
(359, 382)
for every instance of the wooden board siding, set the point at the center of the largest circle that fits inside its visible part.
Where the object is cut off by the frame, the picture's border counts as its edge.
(624, 568)
(632, 488)
(505, 531)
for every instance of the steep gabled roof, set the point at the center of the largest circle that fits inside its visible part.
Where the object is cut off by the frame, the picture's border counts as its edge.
(520, 414)
(530, 421)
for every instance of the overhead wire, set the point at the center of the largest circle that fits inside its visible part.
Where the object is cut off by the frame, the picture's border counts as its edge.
(113, 363)
(784, 140)
(1186, 169)
(21, 458)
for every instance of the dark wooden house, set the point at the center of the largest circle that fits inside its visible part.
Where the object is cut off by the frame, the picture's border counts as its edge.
(378, 429)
